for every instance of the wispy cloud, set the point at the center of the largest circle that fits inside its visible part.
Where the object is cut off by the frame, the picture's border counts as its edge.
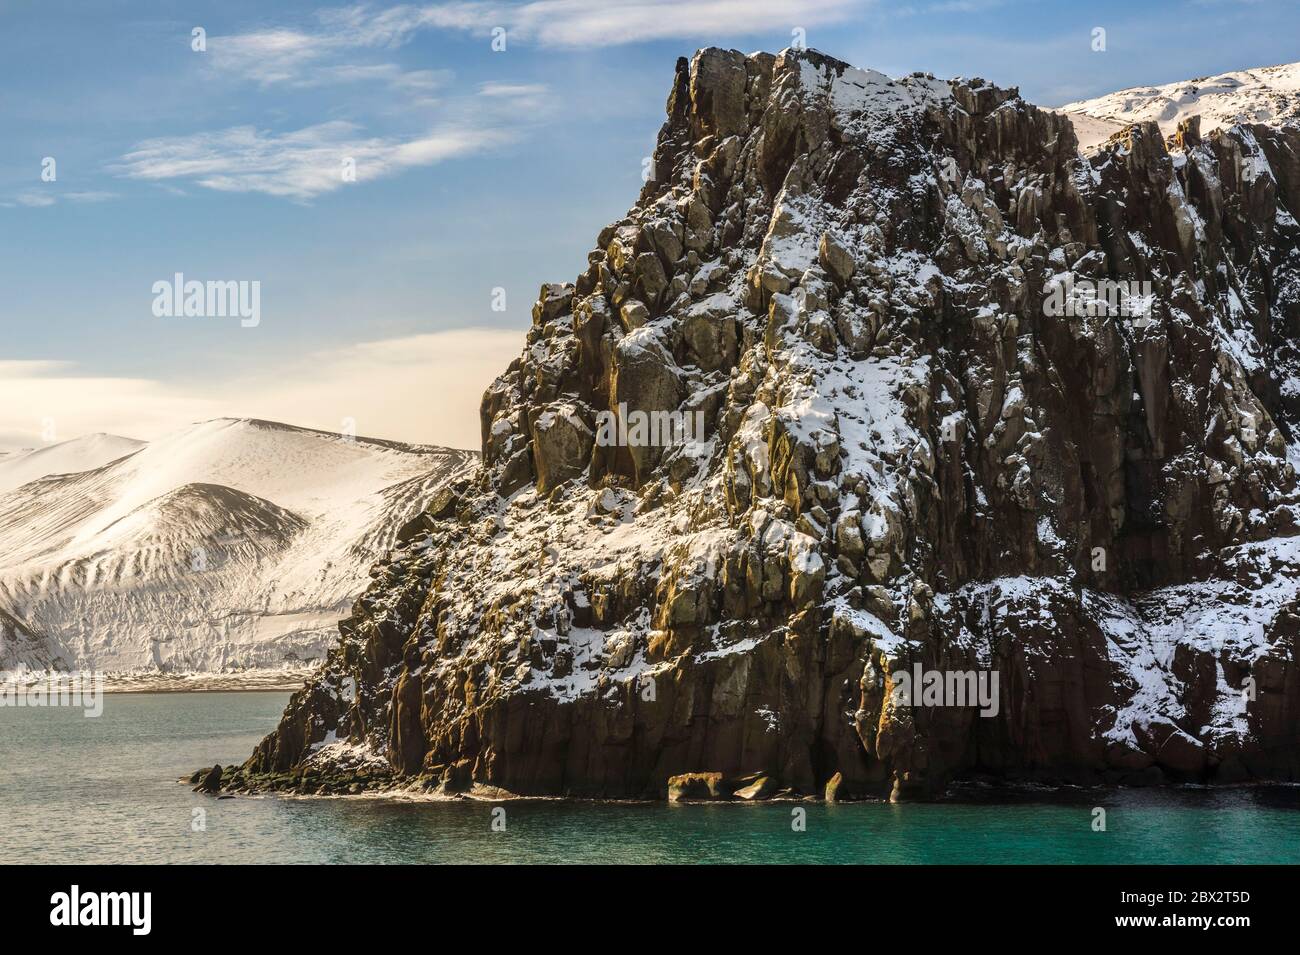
(303, 163)
(45, 197)
(90, 195)
(307, 162)
(518, 98)
(298, 55)
(299, 59)
(518, 90)
(418, 81)
(320, 54)
(267, 56)
(420, 388)
(300, 164)
(582, 23)
(965, 6)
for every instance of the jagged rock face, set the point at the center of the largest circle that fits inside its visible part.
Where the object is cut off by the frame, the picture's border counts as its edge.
(906, 459)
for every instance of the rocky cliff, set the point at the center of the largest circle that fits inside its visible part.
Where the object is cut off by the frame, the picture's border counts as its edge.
(934, 434)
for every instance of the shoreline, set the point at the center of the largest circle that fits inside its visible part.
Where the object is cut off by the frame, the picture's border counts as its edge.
(199, 690)
(280, 682)
(286, 688)
(1007, 794)
(246, 681)
(236, 783)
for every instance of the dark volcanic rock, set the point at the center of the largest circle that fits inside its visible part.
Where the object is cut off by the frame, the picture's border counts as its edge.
(210, 781)
(946, 426)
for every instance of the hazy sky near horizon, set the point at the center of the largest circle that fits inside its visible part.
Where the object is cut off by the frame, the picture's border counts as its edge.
(475, 169)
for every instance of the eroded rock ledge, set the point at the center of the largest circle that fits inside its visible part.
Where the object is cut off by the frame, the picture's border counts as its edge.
(906, 461)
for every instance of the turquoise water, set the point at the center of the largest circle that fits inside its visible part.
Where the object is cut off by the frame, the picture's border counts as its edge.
(83, 790)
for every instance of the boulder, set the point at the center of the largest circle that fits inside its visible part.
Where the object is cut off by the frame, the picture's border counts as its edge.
(836, 259)
(554, 300)
(562, 443)
(696, 787)
(761, 788)
(834, 787)
(211, 781)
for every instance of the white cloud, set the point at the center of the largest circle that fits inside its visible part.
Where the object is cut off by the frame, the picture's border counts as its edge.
(578, 23)
(965, 6)
(267, 56)
(90, 195)
(35, 199)
(511, 90)
(52, 401)
(14, 367)
(307, 162)
(286, 55)
(399, 80)
(419, 388)
(304, 163)
(299, 164)
(44, 198)
(309, 57)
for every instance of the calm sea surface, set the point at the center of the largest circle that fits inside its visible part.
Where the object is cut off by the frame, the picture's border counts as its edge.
(81, 790)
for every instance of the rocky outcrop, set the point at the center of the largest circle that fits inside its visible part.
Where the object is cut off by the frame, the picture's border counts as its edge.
(209, 781)
(975, 407)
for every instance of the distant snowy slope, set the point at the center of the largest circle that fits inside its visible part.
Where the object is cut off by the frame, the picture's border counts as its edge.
(229, 544)
(1269, 94)
(66, 457)
(1091, 131)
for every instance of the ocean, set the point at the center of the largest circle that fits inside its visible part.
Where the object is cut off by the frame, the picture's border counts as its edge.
(104, 790)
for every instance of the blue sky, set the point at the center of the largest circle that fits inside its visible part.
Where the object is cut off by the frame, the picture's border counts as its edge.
(475, 169)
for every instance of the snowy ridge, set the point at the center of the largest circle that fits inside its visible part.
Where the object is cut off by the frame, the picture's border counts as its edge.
(67, 457)
(230, 544)
(1269, 94)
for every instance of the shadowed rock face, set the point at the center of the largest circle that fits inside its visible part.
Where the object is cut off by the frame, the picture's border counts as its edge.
(907, 461)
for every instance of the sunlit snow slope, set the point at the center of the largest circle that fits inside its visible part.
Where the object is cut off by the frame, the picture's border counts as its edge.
(227, 545)
(1269, 94)
(66, 457)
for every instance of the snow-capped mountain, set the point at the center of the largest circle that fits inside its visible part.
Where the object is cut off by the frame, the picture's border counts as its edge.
(1269, 94)
(230, 544)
